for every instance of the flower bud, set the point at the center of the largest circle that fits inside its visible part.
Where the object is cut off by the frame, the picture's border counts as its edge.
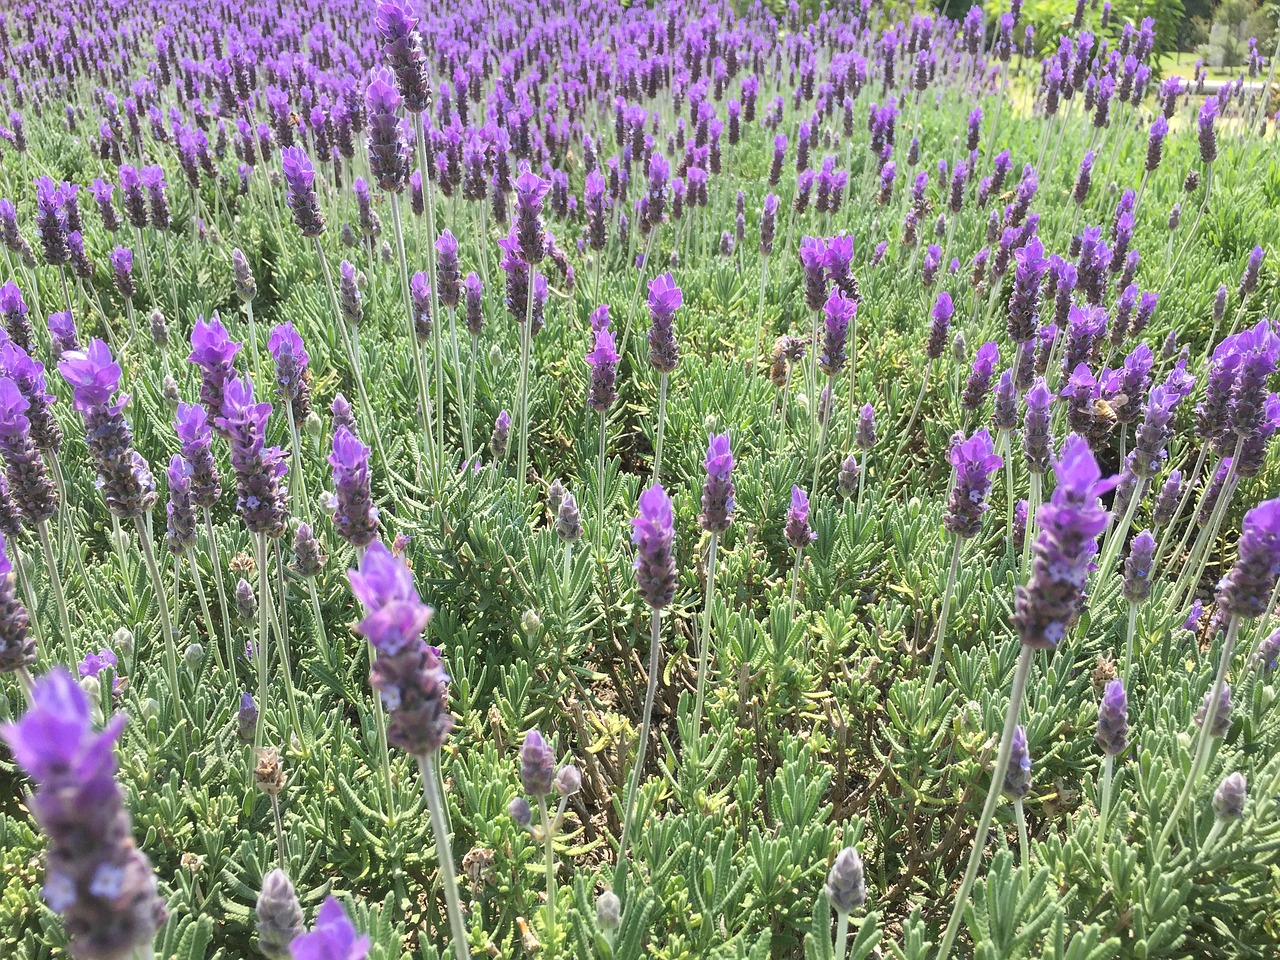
(608, 911)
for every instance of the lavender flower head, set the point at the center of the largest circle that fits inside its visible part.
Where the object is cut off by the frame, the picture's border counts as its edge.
(214, 352)
(291, 359)
(181, 529)
(664, 299)
(798, 532)
(865, 436)
(975, 463)
(603, 360)
(448, 276)
(941, 322)
(838, 311)
(407, 673)
(1217, 714)
(501, 435)
(389, 153)
(653, 534)
(717, 490)
(95, 876)
(1113, 720)
(846, 886)
(26, 473)
(1017, 775)
(1245, 590)
(196, 444)
(537, 765)
(530, 191)
(334, 937)
(259, 469)
(1137, 567)
(17, 646)
(123, 475)
(122, 271)
(978, 385)
(1069, 526)
(300, 193)
(356, 517)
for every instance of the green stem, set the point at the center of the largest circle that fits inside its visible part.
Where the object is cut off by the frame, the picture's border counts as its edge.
(204, 602)
(704, 642)
(60, 598)
(1108, 765)
(526, 334)
(1024, 845)
(264, 618)
(642, 745)
(444, 853)
(842, 935)
(662, 422)
(1205, 737)
(282, 848)
(957, 547)
(550, 852)
(1117, 540)
(222, 592)
(1020, 675)
(600, 507)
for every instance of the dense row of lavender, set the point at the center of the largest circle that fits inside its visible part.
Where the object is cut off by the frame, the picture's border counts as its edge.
(407, 317)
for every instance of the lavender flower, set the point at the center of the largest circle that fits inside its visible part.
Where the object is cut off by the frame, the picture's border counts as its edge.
(123, 475)
(846, 886)
(975, 462)
(278, 911)
(1229, 799)
(403, 50)
(839, 310)
(717, 490)
(664, 299)
(407, 673)
(1221, 716)
(501, 436)
(1137, 567)
(653, 534)
(258, 468)
(530, 191)
(978, 385)
(180, 509)
(603, 360)
(196, 439)
(1113, 720)
(95, 877)
(1245, 590)
(291, 361)
(356, 518)
(300, 193)
(1069, 525)
(941, 321)
(537, 765)
(389, 154)
(1017, 776)
(214, 352)
(798, 532)
(334, 937)
(17, 647)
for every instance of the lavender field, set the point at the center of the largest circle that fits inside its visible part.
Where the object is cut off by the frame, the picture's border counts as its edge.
(688, 480)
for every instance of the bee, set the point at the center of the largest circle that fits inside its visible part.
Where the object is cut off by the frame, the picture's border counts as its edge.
(294, 119)
(1107, 410)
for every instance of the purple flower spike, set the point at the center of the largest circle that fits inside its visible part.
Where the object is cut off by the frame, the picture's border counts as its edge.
(1069, 526)
(978, 385)
(95, 877)
(1137, 567)
(258, 468)
(537, 765)
(839, 310)
(653, 534)
(1113, 720)
(665, 298)
(717, 490)
(300, 192)
(1017, 776)
(123, 475)
(407, 673)
(1245, 590)
(196, 439)
(603, 360)
(285, 345)
(356, 517)
(975, 463)
(941, 314)
(798, 532)
(334, 937)
(214, 352)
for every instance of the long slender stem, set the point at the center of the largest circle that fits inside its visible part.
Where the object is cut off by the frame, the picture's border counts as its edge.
(600, 507)
(548, 843)
(1024, 844)
(704, 642)
(428, 185)
(444, 854)
(662, 422)
(468, 446)
(1104, 806)
(957, 547)
(166, 622)
(60, 598)
(1020, 675)
(1205, 737)
(842, 935)
(264, 618)
(204, 602)
(222, 591)
(424, 401)
(296, 443)
(282, 848)
(1117, 540)
(642, 744)
(915, 411)
(526, 334)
